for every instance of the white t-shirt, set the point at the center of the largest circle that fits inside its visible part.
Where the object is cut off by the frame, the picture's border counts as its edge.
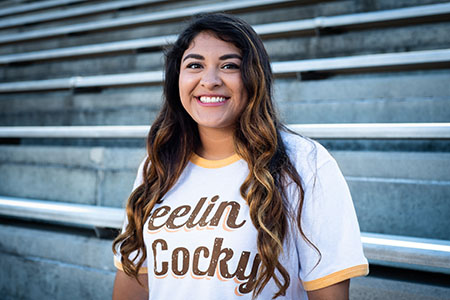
(201, 243)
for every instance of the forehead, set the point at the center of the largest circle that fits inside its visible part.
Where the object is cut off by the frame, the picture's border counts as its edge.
(207, 43)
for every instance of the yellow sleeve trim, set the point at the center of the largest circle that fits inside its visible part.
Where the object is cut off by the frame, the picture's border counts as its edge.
(118, 265)
(360, 270)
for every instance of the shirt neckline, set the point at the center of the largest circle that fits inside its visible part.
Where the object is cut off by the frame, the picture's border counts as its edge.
(214, 164)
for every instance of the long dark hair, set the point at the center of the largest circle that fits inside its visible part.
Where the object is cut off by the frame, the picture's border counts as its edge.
(174, 137)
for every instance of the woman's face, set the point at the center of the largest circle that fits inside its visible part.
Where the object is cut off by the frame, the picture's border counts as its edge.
(211, 87)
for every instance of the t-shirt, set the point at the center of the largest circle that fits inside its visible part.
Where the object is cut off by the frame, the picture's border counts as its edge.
(201, 243)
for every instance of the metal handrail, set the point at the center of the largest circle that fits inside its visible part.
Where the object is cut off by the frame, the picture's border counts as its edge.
(322, 131)
(404, 250)
(78, 214)
(369, 61)
(296, 26)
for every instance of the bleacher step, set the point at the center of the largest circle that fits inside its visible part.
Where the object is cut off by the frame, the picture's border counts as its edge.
(398, 176)
(104, 176)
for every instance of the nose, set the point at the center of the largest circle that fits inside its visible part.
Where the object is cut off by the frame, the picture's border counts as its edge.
(210, 78)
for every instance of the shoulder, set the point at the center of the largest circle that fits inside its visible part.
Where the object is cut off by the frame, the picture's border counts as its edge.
(307, 155)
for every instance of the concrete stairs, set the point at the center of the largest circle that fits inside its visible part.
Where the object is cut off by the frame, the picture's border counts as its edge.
(399, 186)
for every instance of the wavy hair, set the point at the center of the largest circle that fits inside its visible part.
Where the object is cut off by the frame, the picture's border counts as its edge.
(174, 137)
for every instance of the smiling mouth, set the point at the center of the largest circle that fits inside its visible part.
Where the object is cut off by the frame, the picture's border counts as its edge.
(206, 99)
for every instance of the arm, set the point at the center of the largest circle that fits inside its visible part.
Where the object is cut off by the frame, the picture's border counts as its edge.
(338, 291)
(127, 288)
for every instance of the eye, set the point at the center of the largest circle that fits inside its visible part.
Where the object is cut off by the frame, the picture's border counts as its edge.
(231, 66)
(194, 66)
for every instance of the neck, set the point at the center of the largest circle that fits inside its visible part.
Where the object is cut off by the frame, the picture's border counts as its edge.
(216, 143)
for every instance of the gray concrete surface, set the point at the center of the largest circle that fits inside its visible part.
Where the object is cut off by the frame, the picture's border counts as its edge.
(402, 193)
(36, 278)
(325, 8)
(415, 96)
(98, 16)
(127, 106)
(49, 264)
(404, 208)
(370, 288)
(95, 176)
(420, 96)
(412, 166)
(381, 40)
(110, 64)
(46, 264)
(48, 243)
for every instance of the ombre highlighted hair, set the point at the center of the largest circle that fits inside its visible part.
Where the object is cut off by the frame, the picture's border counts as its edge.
(174, 137)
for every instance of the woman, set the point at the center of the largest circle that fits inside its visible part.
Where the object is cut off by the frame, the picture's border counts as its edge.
(229, 204)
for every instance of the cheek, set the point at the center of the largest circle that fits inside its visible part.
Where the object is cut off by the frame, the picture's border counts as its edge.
(186, 86)
(186, 83)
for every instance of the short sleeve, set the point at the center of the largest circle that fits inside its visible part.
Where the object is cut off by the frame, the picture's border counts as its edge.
(134, 255)
(329, 221)
(140, 175)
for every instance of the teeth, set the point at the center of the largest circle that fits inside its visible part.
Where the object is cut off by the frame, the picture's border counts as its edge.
(205, 99)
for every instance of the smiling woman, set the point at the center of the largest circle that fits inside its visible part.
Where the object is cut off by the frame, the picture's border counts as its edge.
(211, 88)
(229, 204)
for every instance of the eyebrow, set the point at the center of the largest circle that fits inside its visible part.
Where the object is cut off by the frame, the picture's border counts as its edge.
(223, 57)
(192, 55)
(232, 55)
